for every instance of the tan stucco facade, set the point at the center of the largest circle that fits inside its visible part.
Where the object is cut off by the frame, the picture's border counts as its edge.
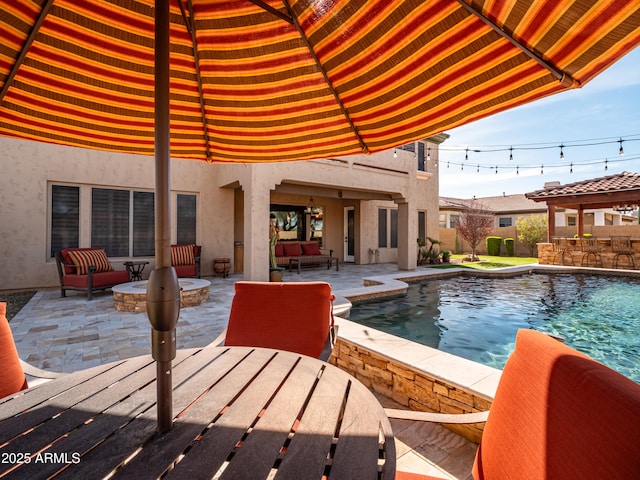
(233, 203)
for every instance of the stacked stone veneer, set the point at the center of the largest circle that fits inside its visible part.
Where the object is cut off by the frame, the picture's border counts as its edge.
(410, 387)
(137, 302)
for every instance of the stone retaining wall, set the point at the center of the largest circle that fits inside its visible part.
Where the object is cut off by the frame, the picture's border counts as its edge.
(410, 387)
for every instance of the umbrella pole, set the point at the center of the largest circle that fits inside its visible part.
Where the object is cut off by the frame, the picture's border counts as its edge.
(163, 291)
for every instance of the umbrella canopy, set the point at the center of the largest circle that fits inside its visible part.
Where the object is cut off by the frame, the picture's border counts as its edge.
(276, 80)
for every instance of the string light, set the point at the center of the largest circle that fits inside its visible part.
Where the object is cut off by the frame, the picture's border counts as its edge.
(518, 170)
(621, 151)
(478, 169)
(428, 153)
(561, 152)
(395, 153)
(606, 164)
(541, 169)
(496, 169)
(511, 154)
(466, 154)
(571, 168)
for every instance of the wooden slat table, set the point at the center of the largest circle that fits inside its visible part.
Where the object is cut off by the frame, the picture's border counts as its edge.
(240, 413)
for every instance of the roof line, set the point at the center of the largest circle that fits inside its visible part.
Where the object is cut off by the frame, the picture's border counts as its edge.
(564, 78)
(25, 49)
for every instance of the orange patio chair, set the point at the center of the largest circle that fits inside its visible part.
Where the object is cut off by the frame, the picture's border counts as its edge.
(13, 371)
(293, 316)
(557, 415)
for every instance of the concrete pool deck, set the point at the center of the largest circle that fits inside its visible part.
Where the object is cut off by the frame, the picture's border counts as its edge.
(68, 334)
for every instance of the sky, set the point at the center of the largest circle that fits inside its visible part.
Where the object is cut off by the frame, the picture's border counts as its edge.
(603, 111)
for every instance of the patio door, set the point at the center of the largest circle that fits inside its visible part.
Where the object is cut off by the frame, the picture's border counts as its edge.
(349, 234)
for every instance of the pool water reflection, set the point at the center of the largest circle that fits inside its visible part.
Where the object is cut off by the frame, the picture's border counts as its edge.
(477, 317)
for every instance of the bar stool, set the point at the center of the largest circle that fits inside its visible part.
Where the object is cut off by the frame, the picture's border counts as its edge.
(621, 246)
(591, 249)
(560, 248)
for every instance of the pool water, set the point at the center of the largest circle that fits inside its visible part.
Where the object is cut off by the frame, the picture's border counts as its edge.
(477, 318)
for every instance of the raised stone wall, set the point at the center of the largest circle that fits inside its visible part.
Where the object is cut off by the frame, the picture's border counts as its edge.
(410, 387)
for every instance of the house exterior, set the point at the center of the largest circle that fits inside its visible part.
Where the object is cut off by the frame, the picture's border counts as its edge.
(367, 209)
(508, 208)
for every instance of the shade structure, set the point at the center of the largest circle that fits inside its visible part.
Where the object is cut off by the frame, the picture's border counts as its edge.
(276, 80)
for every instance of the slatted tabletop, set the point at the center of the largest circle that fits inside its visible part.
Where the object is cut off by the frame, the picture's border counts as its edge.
(240, 413)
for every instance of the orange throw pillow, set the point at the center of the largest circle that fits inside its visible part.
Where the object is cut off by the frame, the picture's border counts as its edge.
(82, 259)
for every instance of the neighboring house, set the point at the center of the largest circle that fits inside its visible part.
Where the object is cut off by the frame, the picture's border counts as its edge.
(366, 208)
(508, 208)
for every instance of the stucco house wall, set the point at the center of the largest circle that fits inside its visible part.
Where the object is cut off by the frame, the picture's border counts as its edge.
(232, 203)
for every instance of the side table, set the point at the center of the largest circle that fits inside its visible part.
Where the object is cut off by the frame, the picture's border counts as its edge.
(222, 266)
(135, 269)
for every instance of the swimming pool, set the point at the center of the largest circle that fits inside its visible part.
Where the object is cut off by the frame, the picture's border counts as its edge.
(477, 318)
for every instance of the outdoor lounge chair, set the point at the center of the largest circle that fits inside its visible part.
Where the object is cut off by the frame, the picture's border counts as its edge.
(296, 316)
(557, 414)
(14, 372)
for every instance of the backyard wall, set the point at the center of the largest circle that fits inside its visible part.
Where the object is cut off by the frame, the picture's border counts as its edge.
(410, 387)
(453, 241)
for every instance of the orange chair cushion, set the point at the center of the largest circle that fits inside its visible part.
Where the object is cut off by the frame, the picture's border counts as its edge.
(287, 316)
(558, 414)
(12, 377)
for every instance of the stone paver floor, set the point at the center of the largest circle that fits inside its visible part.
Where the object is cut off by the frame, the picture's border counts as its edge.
(72, 333)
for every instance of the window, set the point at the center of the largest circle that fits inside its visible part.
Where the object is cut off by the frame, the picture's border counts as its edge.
(506, 222)
(122, 221)
(571, 221)
(394, 228)
(442, 220)
(422, 225)
(454, 220)
(144, 224)
(65, 218)
(387, 228)
(186, 223)
(110, 221)
(422, 166)
(382, 228)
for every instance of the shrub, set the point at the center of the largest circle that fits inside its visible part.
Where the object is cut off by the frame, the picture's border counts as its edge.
(493, 246)
(509, 244)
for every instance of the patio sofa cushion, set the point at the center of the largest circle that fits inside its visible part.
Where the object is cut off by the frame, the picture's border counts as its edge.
(292, 249)
(83, 258)
(311, 249)
(289, 249)
(12, 378)
(185, 259)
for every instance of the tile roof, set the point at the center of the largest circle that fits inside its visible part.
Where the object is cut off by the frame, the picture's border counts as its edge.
(497, 204)
(622, 182)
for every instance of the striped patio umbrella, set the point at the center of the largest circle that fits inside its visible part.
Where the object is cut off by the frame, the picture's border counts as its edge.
(278, 80)
(273, 80)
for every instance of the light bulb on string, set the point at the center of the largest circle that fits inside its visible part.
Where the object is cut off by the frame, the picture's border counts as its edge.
(496, 169)
(518, 170)
(428, 154)
(511, 154)
(561, 152)
(447, 163)
(466, 154)
(621, 151)
(462, 167)
(606, 164)
(571, 168)
(478, 169)
(395, 153)
(541, 169)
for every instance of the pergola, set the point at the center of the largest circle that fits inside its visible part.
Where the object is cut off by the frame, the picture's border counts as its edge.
(620, 191)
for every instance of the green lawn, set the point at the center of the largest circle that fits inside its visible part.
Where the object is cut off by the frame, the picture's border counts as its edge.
(488, 262)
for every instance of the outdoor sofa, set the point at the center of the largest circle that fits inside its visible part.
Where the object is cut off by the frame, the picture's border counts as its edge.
(87, 270)
(286, 250)
(185, 258)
